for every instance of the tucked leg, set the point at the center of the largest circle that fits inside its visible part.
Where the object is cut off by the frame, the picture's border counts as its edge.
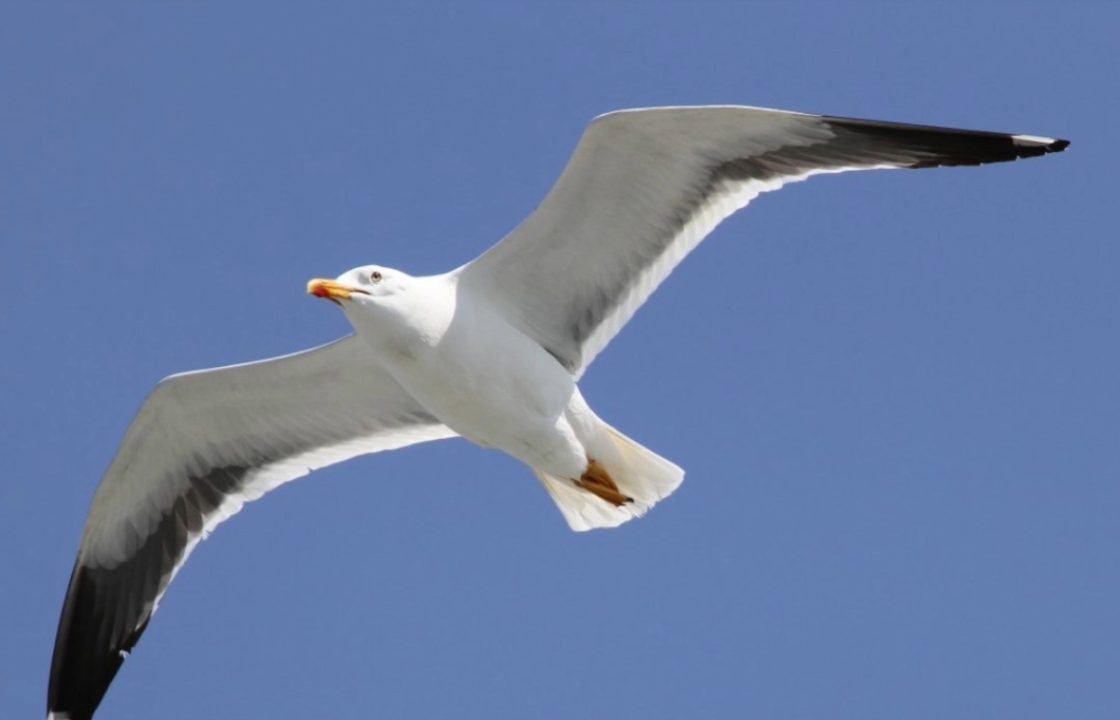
(597, 481)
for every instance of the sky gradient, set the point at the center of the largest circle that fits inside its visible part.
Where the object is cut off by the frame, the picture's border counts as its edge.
(895, 394)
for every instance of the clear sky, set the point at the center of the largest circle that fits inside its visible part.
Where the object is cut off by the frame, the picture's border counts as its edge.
(895, 394)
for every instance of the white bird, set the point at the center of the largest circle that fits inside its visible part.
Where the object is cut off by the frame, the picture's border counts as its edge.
(491, 351)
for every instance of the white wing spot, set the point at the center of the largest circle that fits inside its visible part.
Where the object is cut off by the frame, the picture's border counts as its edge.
(1032, 140)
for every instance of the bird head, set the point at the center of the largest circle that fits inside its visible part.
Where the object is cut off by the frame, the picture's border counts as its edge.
(365, 285)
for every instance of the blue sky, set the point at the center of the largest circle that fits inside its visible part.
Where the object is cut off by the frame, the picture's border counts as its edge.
(895, 394)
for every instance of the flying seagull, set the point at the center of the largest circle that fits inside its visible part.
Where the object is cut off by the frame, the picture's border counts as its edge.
(491, 351)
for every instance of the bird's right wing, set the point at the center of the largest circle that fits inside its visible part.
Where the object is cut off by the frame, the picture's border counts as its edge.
(644, 187)
(203, 444)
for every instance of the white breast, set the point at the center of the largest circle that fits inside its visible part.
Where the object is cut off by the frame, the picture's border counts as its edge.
(476, 373)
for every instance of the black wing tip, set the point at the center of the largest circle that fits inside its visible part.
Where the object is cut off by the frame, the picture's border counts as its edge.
(88, 650)
(1042, 145)
(108, 608)
(936, 146)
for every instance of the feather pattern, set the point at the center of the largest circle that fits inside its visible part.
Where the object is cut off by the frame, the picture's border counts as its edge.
(202, 445)
(644, 187)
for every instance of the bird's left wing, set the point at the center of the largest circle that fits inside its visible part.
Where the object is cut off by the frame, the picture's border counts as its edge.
(644, 187)
(202, 445)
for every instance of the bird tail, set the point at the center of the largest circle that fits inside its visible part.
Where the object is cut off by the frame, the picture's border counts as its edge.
(639, 477)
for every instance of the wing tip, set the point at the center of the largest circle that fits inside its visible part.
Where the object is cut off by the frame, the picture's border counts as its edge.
(1042, 144)
(90, 648)
(937, 146)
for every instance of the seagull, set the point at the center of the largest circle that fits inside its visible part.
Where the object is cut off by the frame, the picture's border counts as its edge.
(491, 351)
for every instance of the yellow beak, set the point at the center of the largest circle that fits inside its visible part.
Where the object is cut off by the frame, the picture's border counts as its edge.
(331, 290)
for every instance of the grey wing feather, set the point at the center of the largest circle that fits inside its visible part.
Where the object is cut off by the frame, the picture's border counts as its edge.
(644, 187)
(201, 446)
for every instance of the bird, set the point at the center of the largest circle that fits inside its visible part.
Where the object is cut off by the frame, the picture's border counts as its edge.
(491, 351)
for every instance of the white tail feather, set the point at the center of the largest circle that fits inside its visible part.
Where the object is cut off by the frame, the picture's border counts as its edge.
(639, 473)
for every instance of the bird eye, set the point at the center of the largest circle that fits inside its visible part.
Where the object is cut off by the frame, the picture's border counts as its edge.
(375, 276)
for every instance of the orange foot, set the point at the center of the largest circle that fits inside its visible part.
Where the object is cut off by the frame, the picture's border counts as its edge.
(598, 482)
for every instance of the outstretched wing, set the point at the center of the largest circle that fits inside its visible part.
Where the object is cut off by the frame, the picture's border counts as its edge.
(203, 444)
(644, 187)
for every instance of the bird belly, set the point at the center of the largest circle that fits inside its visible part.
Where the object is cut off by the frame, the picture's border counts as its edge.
(499, 389)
